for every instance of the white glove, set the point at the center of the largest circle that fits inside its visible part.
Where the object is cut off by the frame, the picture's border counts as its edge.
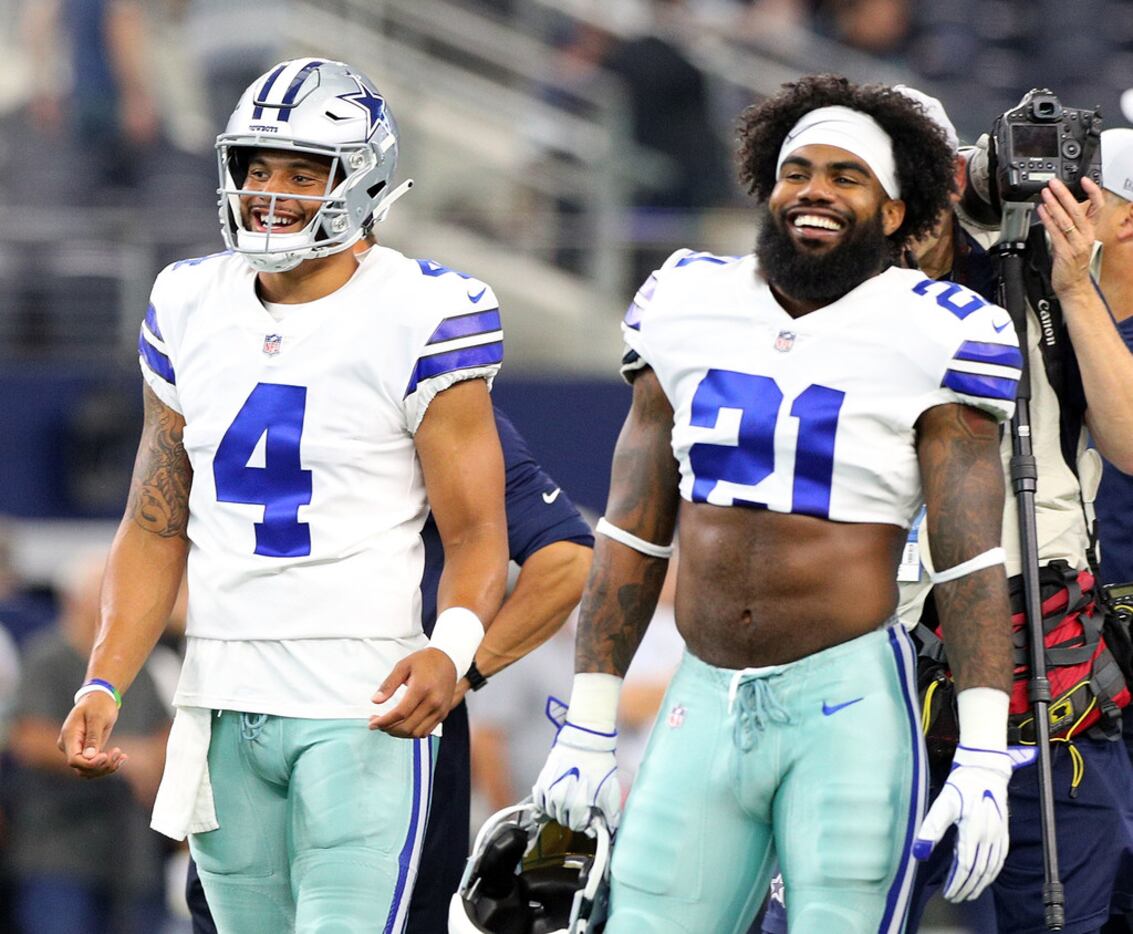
(580, 773)
(974, 799)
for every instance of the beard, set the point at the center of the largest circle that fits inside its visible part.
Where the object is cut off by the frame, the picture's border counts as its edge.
(826, 277)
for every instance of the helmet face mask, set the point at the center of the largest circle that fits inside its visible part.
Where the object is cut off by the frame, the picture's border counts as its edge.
(318, 109)
(530, 875)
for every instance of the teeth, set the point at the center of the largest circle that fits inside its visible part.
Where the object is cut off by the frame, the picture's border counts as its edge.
(815, 220)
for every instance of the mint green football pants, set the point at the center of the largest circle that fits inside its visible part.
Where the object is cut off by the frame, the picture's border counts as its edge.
(818, 765)
(321, 824)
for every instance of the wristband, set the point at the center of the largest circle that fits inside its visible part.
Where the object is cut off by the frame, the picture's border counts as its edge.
(594, 702)
(982, 713)
(476, 680)
(458, 633)
(98, 686)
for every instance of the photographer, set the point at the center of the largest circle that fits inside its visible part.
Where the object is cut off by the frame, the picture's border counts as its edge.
(1082, 377)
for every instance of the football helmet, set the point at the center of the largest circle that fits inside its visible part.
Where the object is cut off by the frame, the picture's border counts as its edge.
(321, 108)
(530, 875)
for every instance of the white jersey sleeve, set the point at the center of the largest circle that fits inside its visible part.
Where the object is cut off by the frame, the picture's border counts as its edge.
(460, 338)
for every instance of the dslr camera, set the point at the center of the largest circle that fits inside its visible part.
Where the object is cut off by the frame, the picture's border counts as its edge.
(1035, 141)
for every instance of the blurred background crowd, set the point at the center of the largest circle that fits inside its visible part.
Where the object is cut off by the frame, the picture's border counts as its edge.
(561, 149)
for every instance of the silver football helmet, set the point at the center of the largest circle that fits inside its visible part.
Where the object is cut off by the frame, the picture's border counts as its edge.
(530, 875)
(321, 108)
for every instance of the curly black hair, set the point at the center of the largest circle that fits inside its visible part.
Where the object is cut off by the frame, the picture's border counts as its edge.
(922, 153)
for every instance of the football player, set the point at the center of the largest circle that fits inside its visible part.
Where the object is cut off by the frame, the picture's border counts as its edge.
(300, 404)
(793, 408)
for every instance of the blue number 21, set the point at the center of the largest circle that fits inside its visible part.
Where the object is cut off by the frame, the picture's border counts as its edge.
(752, 458)
(281, 486)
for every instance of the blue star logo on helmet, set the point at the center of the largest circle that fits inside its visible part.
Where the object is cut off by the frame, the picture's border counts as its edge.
(370, 101)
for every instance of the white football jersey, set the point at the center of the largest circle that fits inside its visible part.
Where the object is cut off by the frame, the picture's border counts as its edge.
(813, 415)
(307, 497)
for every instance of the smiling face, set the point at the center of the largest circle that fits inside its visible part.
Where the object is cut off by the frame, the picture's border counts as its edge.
(823, 193)
(824, 227)
(281, 173)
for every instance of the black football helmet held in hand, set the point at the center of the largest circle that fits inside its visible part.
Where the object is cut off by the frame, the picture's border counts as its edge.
(530, 875)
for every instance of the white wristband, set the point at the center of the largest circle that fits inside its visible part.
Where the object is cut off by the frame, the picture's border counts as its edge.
(985, 559)
(594, 701)
(632, 541)
(96, 689)
(458, 633)
(983, 718)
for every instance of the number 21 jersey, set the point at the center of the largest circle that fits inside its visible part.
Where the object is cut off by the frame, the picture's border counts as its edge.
(813, 415)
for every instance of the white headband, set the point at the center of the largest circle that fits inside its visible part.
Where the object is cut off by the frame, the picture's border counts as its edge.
(847, 129)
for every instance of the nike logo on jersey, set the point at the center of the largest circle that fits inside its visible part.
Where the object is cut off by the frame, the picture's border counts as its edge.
(999, 327)
(479, 295)
(828, 709)
(549, 498)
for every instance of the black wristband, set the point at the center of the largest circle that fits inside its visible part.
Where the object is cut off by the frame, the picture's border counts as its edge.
(475, 679)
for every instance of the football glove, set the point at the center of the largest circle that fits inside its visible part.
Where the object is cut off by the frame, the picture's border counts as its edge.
(974, 799)
(579, 774)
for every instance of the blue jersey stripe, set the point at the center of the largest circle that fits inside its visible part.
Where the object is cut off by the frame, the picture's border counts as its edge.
(296, 84)
(447, 362)
(156, 360)
(973, 384)
(705, 258)
(476, 322)
(633, 316)
(151, 322)
(987, 352)
(405, 857)
(258, 113)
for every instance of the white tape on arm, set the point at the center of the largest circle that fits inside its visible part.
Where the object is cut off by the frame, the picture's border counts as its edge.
(632, 541)
(594, 701)
(985, 559)
(982, 713)
(458, 633)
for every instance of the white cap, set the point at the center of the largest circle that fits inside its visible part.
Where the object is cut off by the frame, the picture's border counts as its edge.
(1117, 162)
(935, 111)
(1127, 104)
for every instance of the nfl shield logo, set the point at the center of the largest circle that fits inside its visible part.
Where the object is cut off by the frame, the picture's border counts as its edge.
(272, 343)
(676, 717)
(785, 341)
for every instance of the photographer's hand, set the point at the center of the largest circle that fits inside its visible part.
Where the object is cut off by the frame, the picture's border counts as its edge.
(1070, 226)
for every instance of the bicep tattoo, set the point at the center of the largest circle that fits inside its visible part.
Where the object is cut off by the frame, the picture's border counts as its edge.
(159, 489)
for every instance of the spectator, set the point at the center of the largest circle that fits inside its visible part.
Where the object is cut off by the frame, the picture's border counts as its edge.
(82, 855)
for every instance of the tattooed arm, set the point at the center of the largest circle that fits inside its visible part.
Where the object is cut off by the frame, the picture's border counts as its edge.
(143, 575)
(620, 596)
(621, 593)
(958, 449)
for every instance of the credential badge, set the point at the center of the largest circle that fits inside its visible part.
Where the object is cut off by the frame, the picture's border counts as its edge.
(785, 341)
(272, 344)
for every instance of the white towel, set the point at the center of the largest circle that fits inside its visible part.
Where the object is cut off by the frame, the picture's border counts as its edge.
(184, 802)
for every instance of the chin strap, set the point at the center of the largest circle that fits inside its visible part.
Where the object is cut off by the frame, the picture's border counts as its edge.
(387, 202)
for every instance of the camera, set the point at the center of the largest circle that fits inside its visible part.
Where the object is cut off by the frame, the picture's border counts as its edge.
(1035, 141)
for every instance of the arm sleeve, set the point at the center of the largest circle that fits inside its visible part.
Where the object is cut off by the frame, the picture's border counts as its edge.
(155, 355)
(539, 512)
(465, 341)
(984, 363)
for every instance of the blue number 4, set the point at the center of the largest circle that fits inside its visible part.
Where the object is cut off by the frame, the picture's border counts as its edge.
(758, 400)
(281, 486)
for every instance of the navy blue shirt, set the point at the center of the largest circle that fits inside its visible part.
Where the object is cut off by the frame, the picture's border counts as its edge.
(1114, 508)
(539, 513)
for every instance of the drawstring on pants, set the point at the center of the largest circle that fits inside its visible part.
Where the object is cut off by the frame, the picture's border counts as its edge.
(755, 704)
(251, 724)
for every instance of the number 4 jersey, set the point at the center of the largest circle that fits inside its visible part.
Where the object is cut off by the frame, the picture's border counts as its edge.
(307, 499)
(813, 415)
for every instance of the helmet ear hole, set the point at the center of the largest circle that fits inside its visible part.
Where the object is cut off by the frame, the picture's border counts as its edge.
(373, 190)
(500, 860)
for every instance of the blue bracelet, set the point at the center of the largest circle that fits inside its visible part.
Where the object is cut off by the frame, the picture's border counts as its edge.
(98, 684)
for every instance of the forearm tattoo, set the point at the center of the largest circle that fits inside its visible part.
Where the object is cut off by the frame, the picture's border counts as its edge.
(964, 487)
(622, 591)
(159, 489)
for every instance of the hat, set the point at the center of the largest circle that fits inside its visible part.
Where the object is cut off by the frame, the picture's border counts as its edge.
(1127, 104)
(1117, 162)
(935, 111)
